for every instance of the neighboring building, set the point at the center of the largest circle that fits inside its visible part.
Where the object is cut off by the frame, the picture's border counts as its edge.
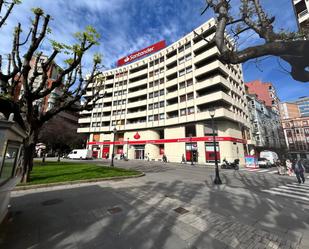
(303, 106)
(265, 92)
(301, 9)
(289, 110)
(160, 105)
(296, 131)
(266, 127)
(53, 72)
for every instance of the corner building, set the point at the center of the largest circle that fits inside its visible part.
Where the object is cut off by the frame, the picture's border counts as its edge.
(160, 105)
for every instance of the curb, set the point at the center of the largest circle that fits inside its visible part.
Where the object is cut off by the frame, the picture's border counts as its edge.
(35, 186)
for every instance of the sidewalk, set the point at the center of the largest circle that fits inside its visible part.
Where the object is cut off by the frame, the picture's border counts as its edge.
(133, 213)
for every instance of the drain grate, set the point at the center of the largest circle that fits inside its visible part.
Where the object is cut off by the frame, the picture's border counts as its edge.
(181, 210)
(51, 202)
(114, 210)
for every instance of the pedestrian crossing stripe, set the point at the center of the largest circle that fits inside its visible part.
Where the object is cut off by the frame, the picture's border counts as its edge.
(258, 170)
(293, 190)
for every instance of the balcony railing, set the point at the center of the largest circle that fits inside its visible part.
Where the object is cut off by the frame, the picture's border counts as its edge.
(303, 13)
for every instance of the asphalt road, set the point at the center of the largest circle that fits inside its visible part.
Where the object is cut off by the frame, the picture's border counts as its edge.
(257, 209)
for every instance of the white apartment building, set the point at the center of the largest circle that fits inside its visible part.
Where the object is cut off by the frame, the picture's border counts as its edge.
(301, 9)
(160, 105)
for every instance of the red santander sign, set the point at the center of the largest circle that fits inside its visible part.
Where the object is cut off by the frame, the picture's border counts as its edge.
(149, 50)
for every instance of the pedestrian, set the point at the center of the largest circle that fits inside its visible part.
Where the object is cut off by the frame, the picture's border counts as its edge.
(289, 167)
(278, 165)
(148, 157)
(183, 159)
(299, 170)
(164, 158)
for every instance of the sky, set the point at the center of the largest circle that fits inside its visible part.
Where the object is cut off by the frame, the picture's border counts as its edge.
(130, 25)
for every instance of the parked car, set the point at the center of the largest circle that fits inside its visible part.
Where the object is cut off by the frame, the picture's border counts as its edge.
(264, 163)
(80, 154)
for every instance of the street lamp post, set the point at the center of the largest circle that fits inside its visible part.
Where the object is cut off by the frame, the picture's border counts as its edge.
(191, 149)
(113, 151)
(217, 177)
(128, 149)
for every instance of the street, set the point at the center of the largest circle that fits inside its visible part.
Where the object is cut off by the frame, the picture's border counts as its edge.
(172, 206)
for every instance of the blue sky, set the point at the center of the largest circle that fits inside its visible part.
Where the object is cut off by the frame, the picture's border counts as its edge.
(129, 25)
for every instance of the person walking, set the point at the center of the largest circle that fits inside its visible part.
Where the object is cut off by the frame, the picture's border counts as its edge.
(289, 166)
(164, 158)
(183, 159)
(299, 169)
(278, 165)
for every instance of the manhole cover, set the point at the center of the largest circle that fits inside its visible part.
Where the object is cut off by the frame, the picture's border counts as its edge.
(114, 210)
(181, 210)
(51, 202)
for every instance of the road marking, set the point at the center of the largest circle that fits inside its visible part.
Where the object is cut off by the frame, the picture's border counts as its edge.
(287, 195)
(273, 172)
(263, 170)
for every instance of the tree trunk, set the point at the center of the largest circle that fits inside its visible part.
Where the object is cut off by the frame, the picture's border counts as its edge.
(29, 149)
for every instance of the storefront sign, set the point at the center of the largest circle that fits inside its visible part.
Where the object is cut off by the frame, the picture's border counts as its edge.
(149, 50)
(251, 162)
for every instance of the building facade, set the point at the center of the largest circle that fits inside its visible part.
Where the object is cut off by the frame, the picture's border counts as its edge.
(303, 106)
(160, 105)
(264, 91)
(267, 133)
(289, 110)
(296, 131)
(301, 9)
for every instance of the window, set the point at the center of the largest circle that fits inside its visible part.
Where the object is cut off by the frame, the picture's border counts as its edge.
(162, 81)
(94, 124)
(114, 112)
(182, 85)
(124, 92)
(115, 103)
(150, 95)
(124, 101)
(182, 98)
(151, 84)
(181, 49)
(156, 83)
(183, 112)
(123, 111)
(188, 57)
(188, 45)
(156, 117)
(150, 118)
(119, 102)
(189, 82)
(162, 59)
(190, 110)
(157, 72)
(162, 104)
(181, 72)
(161, 69)
(150, 74)
(115, 93)
(9, 161)
(181, 60)
(161, 116)
(161, 92)
(150, 107)
(155, 105)
(190, 96)
(151, 64)
(189, 69)
(156, 94)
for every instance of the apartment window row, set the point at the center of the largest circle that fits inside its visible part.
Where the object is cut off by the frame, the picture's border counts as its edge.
(187, 83)
(156, 62)
(187, 111)
(97, 115)
(120, 102)
(119, 112)
(184, 47)
(156, 82)
(98, 105)
(186, 97)
(119, 93)
(156, 105)
(121, 74)
(156, 117)
(185, 58)
(156, 94)
(185, 71)
(122, 83)
(156, 72)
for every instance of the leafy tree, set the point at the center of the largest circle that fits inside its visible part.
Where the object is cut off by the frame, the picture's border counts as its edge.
(291, 47)
(70, 82)
(59, 134)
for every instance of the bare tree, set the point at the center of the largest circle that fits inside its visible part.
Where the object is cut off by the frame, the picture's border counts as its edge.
(70, 82)
(8, 5)
(291, 47)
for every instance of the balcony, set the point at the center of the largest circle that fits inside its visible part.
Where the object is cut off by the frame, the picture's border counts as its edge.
(214, 97)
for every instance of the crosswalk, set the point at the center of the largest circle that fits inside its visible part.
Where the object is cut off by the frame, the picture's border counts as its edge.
(291, 190)
(258, 170)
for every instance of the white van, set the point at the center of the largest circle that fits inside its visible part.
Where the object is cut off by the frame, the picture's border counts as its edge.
(271, 156)
(80, 154)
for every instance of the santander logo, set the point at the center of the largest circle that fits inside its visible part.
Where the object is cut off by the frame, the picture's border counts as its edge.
(143, 52)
